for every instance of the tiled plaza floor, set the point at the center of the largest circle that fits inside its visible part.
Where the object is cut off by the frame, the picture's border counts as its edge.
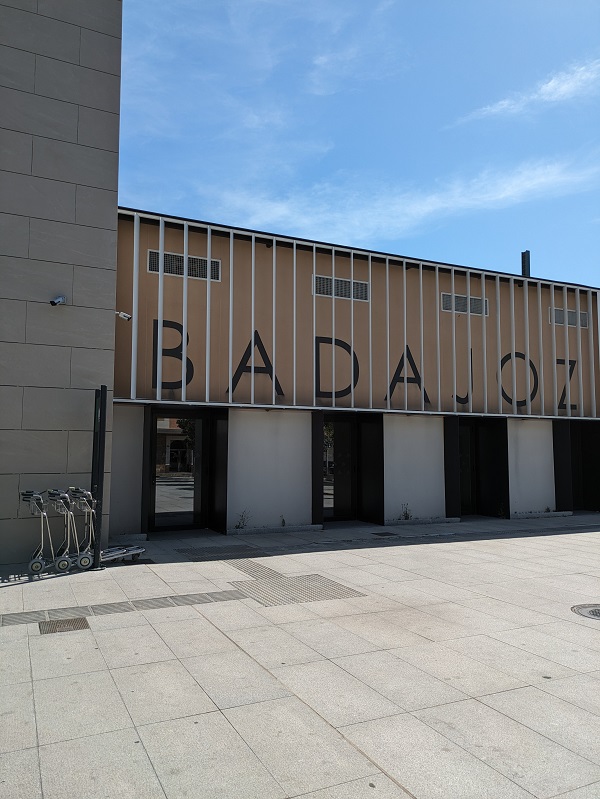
(454, 668)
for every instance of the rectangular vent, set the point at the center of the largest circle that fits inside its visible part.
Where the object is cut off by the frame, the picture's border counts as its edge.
(559, 317)
(461, 304)
(344, 289)
(173, 265)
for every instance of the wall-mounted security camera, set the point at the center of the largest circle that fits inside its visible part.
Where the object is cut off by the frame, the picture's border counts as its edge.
(123, 315)
(61, 300)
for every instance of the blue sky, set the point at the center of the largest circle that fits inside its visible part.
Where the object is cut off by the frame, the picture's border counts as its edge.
(463, 131)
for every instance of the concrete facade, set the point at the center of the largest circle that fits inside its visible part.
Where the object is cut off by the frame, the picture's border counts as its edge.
(269, 469)
(413, 467)
(530, 466)
(127, 469)
(59, 94)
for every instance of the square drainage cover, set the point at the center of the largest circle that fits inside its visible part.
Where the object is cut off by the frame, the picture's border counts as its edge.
(292, 590)
(63, 625)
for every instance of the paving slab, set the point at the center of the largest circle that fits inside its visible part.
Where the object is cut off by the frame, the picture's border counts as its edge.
(335, 695)
(461, 672)
(534, 762)
(582, 690)
(379, 630)
(233, 678)
(191, 637)
(301, 751)
(571, 655)
(77, 706)
(426, 763)
(204, 756)
(17, 717)
(273, 646)
(408, 687)
(377, 786)
(328, 638)
(126, 646)
(160, 692)
(14, 660)
(589, 792)
(20, 775)
(61, 654)
(567, 724)
(231, 615)
(509, 659)
(113, 765)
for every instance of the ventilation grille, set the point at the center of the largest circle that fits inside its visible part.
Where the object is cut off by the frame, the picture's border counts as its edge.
(173, 265)
(344, 289)
(461, 304)
(559, 317)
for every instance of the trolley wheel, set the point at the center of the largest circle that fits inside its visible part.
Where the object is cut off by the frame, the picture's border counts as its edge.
(84, 561)
(62, 564)
(135, 555)
(36, 565)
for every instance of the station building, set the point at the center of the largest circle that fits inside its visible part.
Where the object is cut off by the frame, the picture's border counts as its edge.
(263, 381)
(271, 382)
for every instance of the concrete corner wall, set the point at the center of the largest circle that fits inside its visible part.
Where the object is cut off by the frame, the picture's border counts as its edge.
(413, 467)
(59, 137)
(269, 468)
(127, 470)
(531, 466)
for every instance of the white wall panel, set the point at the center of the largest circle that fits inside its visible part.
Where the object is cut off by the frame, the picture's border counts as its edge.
(269, 468)
(530, 466)
(413, 452)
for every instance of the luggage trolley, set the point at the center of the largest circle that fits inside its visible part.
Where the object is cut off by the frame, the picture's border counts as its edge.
(84, 501)
(38, 507)
(61, 503)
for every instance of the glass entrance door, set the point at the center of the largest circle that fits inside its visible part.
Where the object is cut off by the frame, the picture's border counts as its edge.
(177, 472)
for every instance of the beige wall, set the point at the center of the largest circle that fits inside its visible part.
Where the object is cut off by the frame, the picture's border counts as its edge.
(413, 294)
(59, 95)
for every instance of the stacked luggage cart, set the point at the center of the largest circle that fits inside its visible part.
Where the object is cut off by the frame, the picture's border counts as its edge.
(75, 550)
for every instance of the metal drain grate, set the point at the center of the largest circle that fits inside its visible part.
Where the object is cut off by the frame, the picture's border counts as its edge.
(152, 604)
(224, 596)
(23, 618)
(221, 553)
(191, 599)
(59, 614)
(292, 590)
(112, 607)
(589, 611)
(69, 613)
(63, 625)
(253, 568)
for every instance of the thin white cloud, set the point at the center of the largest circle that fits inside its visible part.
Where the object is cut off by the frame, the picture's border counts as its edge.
(365, 216)
(579, 81)
(356, 53)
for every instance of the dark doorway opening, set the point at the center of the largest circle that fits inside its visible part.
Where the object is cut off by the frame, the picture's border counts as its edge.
(186, 469)
(350, 467)
(576, 464)
(476, 466)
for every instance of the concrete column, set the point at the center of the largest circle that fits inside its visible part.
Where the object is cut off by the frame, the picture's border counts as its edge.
(127, 468)
(269, 469)
(59, 94)
(530, 466)
(413, 448)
